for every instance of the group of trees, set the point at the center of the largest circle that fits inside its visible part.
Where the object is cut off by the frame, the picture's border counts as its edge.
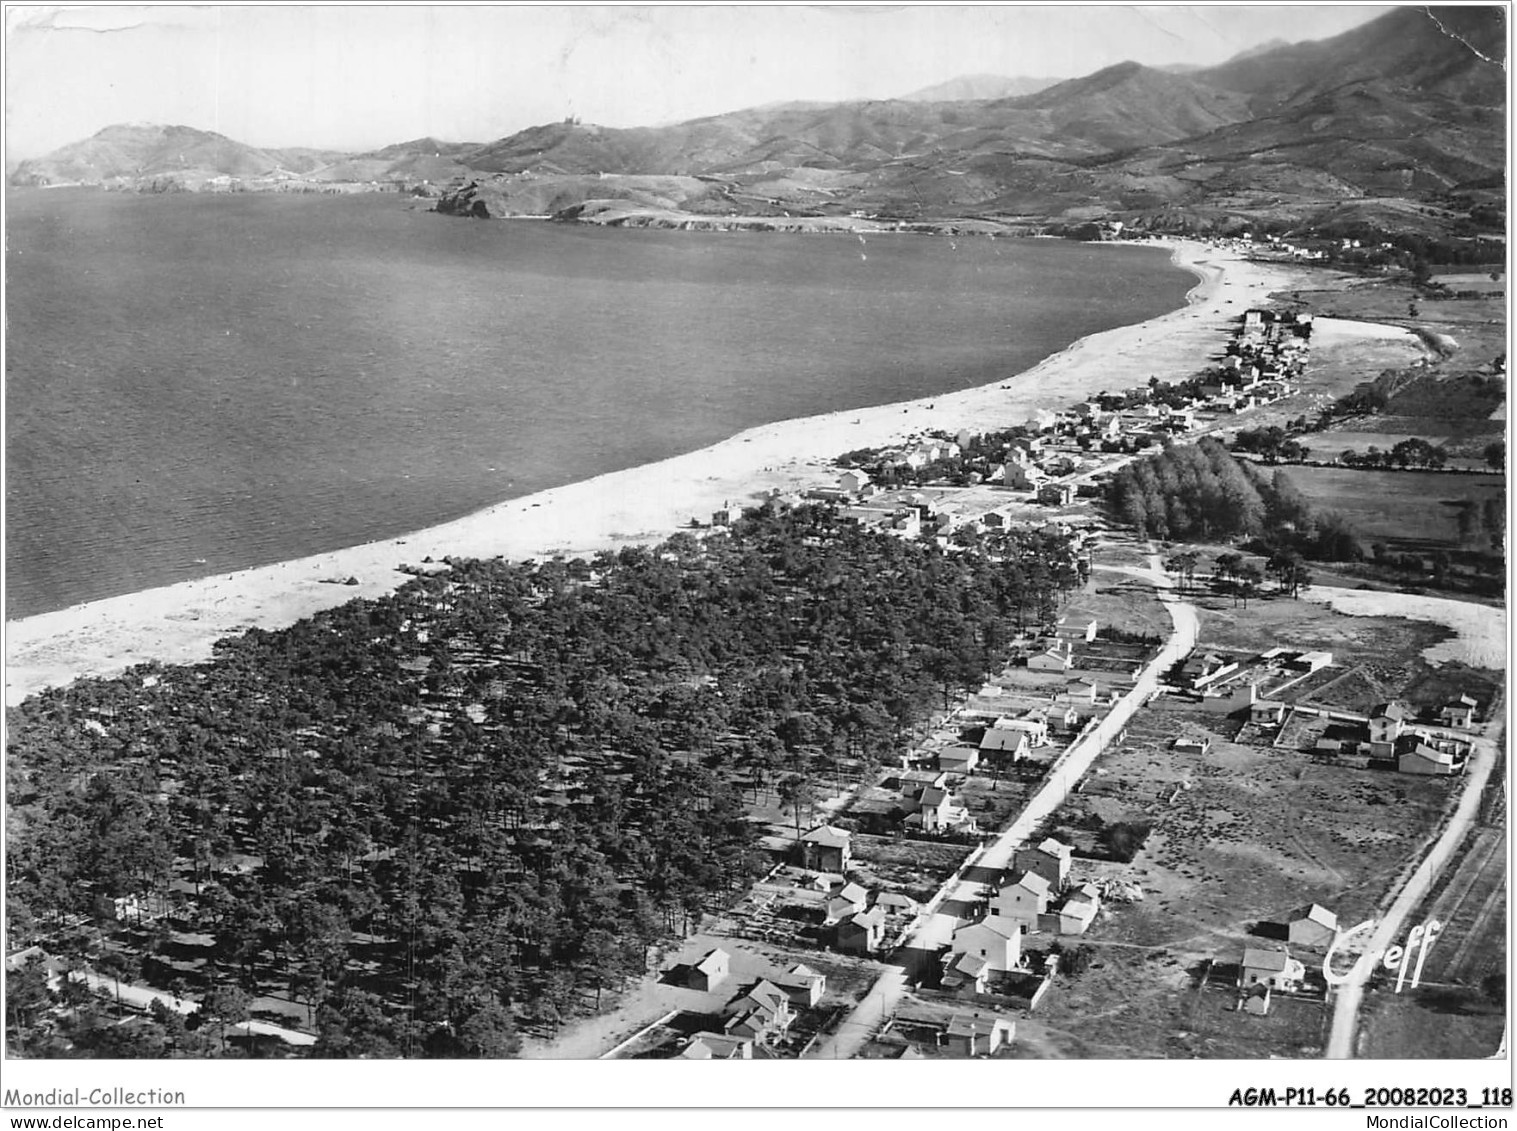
(1272, 443)
(1200, 493)
(1411, 452)
(438, 816)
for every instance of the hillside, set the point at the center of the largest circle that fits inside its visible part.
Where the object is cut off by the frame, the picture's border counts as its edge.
(980, 88)
(1402, 118)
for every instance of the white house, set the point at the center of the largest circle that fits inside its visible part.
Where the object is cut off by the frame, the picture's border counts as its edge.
(1458, 713)
(1273, 968)
(997, 941)
(1022, 901)
(1079, 910)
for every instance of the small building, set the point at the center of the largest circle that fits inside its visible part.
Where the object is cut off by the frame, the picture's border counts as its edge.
(1079, 910)
(854, 480)
(1007, 746)
(826, 849)
(965, 971)
(1072, 629)
(1386, 723)
(895, 903)
(726, 516)
(1022, 476)
(935, 812)
(850, 900)
(1022, 901)
(1198, 671)
(1274, 968)
(762, 1014)
(1192, 745)
(1055, 656)
(997, 941)
(1313, 925)
(862, 933)
(1458, 713)
(1437, 759)
(717, 1046)
(711, 971)
(1057, 494)
(958, 759)
(804, 985)
(1049, 860)
(1266, 712)
(978, 1034)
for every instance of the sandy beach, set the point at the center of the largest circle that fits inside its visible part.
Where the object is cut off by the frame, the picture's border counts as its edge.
(179, 623)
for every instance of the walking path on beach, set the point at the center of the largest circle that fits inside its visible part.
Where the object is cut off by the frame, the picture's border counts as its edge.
(179, 623)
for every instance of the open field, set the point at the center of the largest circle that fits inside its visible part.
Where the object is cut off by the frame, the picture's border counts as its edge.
(1406, 509)
(1119, 601)
(1154, 1004)
(1259, 831)
(1477, 324)
(1428, 1023)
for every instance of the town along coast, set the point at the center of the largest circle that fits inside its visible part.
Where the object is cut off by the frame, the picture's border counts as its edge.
(643, 504)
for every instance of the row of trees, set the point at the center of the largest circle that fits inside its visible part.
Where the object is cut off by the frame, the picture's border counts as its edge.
(436, 817)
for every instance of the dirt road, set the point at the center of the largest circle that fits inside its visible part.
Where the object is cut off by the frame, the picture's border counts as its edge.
(1340, 1044)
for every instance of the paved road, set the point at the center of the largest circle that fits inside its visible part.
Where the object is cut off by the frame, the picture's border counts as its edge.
(1340, 1043)
(933, 928)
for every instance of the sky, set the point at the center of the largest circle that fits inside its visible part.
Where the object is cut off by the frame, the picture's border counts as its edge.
(354, 78)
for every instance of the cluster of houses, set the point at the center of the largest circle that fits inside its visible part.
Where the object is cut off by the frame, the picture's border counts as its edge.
(758, 1015)
(1391, 736)
(1038, 898)
(856, 919)
(1264, 971)
(1395, 738)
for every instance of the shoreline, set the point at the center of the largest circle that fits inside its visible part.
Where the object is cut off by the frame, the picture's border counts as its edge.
(179, 623)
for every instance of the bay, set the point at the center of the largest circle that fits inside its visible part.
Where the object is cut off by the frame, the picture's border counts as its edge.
(197, 384)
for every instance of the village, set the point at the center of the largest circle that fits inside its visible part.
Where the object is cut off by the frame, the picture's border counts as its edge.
(967, 902)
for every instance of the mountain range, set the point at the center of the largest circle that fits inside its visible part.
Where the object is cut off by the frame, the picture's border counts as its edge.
(1404, 116)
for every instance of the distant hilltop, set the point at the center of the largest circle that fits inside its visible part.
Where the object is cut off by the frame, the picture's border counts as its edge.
(1399, 123)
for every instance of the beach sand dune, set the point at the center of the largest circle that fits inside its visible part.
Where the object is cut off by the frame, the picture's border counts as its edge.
(179, 623)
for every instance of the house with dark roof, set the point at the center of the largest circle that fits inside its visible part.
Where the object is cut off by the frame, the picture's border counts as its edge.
(863, 933)
(1050, 859)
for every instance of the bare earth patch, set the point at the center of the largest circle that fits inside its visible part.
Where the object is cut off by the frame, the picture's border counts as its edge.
(1481, 630)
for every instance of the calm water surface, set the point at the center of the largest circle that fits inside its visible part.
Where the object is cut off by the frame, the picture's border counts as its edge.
(197, 384)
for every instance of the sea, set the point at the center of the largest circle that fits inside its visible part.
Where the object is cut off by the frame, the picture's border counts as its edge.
(196, 384)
